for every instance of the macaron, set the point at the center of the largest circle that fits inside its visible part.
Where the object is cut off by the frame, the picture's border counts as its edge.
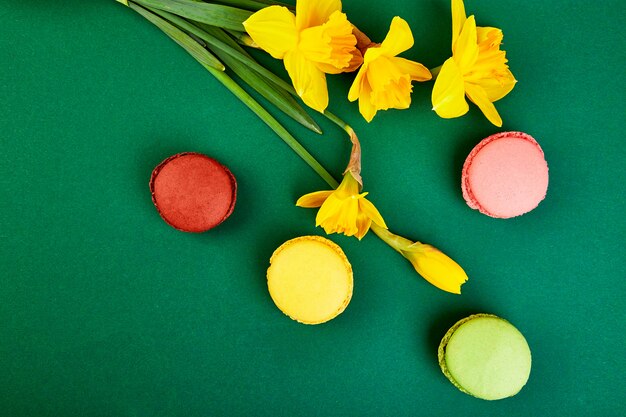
(192, 192)
(310, 279)
(485, 356)
(505, 175)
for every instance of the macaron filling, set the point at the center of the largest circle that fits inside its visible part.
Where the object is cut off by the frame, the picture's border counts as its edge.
(310, 279)
(505, 175)
(192, 192)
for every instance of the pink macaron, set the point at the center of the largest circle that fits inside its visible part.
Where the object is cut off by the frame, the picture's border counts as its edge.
(505, 175)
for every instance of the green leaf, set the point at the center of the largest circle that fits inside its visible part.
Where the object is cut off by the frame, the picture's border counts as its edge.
(270, 121)
(187, 42)
(208, 34)
(246, 68)
(266, 83)
(267, 74)
(213, 14)
(245, 4)
(277, 96)
(251, 4)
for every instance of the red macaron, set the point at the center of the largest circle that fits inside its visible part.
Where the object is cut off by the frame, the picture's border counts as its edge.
(193, 192)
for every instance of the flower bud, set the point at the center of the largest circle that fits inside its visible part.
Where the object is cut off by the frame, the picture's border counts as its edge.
(432, 264)
(436, 267)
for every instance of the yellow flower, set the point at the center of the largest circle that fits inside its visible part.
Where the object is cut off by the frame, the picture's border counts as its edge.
(318, 40)
(432, 264)
(343, 210)
(477, 69)
(436, 267)
(384, 80)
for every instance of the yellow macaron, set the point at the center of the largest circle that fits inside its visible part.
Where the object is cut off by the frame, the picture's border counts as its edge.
(310, 279)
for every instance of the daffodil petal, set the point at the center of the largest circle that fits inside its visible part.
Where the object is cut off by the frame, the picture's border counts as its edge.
(311, 13)
(328, 209)
(328, 68)
(416, 71)
(398, 39)
(373, 53)
(465, 50)
(458, 19)
(313, 200)
(489, 37)
(348, 216)
(349, 186)
(363, 224)
(479, 97)
(273, 29)
(307, 79)
(448, 96)
(372, 212)
(497, 87)
(366, 107)
(355, 88)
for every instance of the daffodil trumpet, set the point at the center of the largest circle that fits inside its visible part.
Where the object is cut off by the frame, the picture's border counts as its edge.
(432, 264)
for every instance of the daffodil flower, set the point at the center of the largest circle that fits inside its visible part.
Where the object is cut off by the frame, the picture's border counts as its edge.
(477, 69)
(344, 210)
(432, 264)
(318, 40)
(384, 80)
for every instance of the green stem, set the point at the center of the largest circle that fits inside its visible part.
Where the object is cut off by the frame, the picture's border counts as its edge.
(336, 120)
(273, 124)
(397, 242)
(354, 164)
(435, 72)
(243, 39)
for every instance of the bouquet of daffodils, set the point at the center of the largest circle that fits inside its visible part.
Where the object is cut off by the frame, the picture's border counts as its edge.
(315, 39)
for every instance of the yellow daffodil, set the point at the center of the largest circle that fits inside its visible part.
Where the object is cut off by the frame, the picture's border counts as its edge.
(318, 40)
(432, 264)
(384, 80)
(477, 69)
(343, 210)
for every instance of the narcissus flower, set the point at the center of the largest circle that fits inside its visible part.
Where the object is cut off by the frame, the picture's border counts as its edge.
(344, 210)
(477, 69)
(384, 80)
(318, 40)
(432, 264)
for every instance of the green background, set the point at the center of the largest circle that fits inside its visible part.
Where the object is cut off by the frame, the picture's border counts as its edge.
(107, 311)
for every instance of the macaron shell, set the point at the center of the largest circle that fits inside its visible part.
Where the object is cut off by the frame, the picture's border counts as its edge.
(505, 175)
(485, 356)
(310, 279)
(193, 192)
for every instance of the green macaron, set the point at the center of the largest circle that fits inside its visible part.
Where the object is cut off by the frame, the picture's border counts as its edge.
(485, 356)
